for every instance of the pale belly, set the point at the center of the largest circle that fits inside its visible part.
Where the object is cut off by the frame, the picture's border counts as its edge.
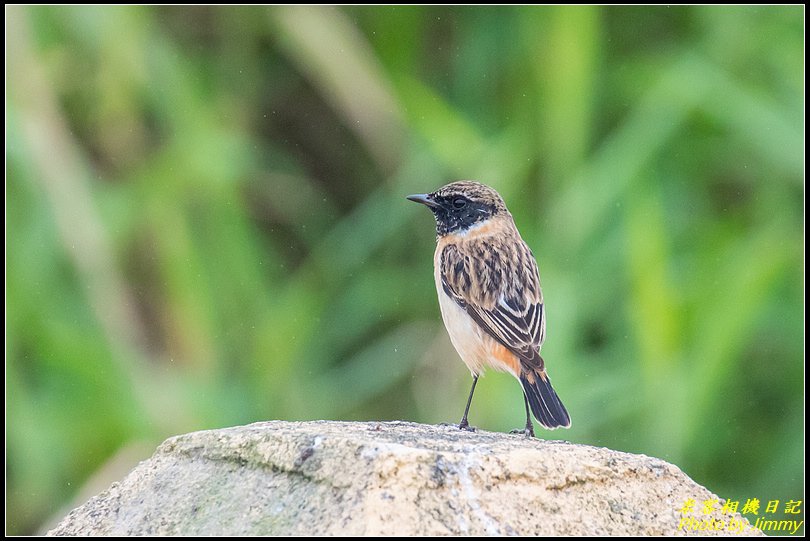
(473, 344)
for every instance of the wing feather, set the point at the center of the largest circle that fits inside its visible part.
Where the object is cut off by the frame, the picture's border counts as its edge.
(499, 287)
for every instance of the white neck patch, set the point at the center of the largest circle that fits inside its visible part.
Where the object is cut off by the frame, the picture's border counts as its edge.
(473, 228)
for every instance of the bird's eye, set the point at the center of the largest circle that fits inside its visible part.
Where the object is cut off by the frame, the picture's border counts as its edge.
(459, 203)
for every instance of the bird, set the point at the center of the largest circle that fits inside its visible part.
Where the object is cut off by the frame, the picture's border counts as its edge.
(490, 298)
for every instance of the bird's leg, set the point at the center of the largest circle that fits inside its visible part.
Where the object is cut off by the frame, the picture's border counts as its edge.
(529, 430)
(464, 425)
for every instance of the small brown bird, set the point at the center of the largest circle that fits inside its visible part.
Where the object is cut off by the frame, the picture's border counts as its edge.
(490, 296)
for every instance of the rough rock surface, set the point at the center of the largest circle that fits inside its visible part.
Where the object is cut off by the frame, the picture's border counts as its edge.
(389, 478)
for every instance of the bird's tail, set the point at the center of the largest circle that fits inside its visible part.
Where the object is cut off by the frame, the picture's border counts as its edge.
(546, 405)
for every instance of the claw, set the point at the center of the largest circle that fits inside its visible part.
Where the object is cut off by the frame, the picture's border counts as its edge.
(466, 426)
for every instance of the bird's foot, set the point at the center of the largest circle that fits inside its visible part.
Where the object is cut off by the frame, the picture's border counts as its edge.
(464, 425)
(528, 431)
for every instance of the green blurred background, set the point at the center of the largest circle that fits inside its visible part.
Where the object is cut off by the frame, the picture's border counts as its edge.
(206, 226)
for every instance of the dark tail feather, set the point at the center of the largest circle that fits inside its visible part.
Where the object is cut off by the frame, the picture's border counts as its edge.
(546, 405)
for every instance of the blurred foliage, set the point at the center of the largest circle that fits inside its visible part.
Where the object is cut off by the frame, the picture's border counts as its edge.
(206, 226)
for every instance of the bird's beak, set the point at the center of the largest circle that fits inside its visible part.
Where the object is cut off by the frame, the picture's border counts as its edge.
(423, 198)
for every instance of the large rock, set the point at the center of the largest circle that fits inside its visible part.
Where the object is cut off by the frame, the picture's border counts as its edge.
(283, 478)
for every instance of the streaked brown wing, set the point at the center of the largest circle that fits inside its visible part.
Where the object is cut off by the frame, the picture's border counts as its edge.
(501, 292)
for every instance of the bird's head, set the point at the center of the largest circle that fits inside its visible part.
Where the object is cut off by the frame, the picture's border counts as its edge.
(462, 205)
